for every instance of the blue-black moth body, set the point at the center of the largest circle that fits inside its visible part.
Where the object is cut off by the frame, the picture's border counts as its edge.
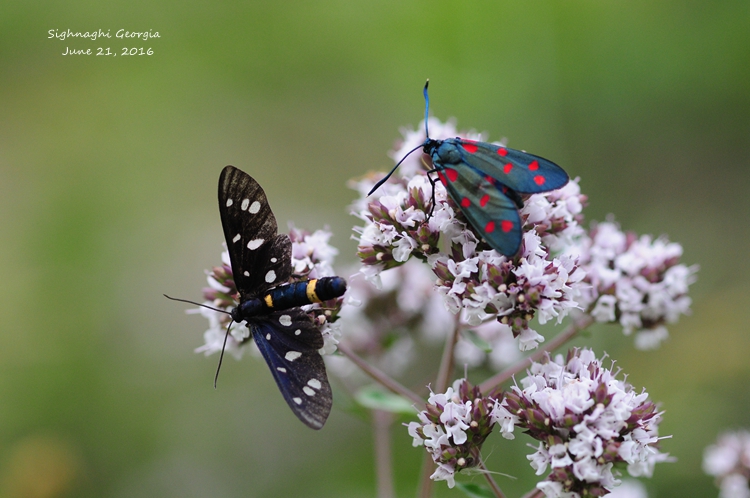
(261, 261)
(486, 181)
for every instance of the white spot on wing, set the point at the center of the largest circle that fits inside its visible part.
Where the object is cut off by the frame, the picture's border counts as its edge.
(292, 355)
(273, 260)
(297, 332)
(281, 369)
(246, 273)
(254, 244)
(268, 337)
(245, 204)
(236, 238)
(254, 207)
(308, 391)
(270, 276)
(285, 320)
(297, 400)
(229, 202)
(314, 383)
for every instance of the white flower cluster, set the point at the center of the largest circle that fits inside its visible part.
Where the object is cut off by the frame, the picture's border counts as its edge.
(635, 281)
(586, 421)
(729, 461)
(395, 226)
(312, 256)
(557, 215)
(486, 285)
(453, 428)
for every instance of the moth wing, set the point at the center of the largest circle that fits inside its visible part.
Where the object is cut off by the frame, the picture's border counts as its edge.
(260, 258)
(523, 172)
(289, 342)
(489, 210)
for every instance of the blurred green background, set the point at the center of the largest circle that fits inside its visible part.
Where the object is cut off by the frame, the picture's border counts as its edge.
(108, 171)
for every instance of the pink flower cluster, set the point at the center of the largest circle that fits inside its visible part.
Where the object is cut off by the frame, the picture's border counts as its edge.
(453, 428)
(729, 462)
(637, 282)
(587, 423)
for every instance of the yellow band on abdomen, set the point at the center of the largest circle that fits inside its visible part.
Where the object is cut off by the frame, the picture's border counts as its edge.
(269, 300)
(311, 295)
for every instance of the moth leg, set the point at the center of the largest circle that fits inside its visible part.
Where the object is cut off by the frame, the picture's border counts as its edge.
(432, 202)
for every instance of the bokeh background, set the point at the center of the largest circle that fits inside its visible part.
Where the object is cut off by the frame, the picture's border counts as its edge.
(108, 171)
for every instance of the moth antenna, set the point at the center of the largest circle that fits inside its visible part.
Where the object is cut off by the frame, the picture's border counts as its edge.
(221, 357)
(426, 108)
(427, 134)
(197, 304)
(383, 180)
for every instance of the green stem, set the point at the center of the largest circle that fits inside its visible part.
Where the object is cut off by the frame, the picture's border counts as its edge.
(534, 493)
(381, 422)
(446, 363)
(491, 481)
(425, 483)
(380, 376)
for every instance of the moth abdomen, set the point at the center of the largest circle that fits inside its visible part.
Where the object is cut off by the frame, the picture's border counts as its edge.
(292, 295)
(306, 292)
(327, 288)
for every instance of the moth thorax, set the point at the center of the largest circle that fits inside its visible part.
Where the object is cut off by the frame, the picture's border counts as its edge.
(251, 307)
(448, 153)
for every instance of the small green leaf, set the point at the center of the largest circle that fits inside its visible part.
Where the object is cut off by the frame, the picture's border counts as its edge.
(472, 336)
(375, 398)
(475, 491)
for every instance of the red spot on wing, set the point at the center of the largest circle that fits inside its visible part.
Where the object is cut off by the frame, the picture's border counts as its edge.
(507, 168)
(506, 226)
(539, 180)
(489, 227)
(534, 165)
(465, 202)
(484, 200)
(470, 146)
(502, 151)
(452, 174)
(442, 177)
